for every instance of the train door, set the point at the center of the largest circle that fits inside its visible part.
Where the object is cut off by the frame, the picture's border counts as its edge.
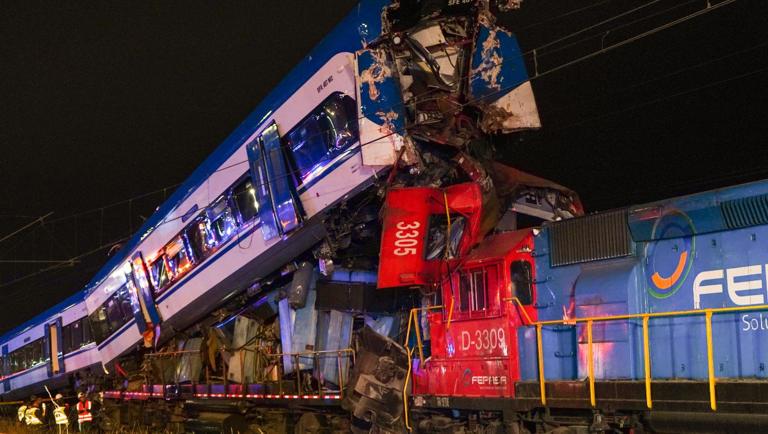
(54, 350)
(144, 309)
(279, 209)
(521, 286)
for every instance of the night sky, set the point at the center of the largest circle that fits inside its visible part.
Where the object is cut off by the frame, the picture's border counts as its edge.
(102, 102)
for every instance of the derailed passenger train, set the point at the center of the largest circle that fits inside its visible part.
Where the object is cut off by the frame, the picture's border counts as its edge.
(300, 179)
(351, 258)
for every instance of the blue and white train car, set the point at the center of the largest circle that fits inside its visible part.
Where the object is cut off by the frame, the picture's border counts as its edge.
(46, 348)
(255, 204)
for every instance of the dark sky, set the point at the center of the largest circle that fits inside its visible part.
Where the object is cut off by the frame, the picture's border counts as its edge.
(102, 102)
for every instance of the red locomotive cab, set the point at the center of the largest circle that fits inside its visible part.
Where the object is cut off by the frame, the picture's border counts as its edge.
(423, 230)
(474, 337)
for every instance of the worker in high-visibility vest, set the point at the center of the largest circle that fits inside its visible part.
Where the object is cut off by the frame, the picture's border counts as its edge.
(22, 412)
(35, 414)
(84, 415)
(60, 413)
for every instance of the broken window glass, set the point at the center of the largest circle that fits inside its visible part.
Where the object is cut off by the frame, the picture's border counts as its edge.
(179, 260)
(438, 229)
(222, 221)
(200, 240)
(158, 274)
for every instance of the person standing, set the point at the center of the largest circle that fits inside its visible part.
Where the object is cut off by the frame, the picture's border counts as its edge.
(60, 413)
(84, 414)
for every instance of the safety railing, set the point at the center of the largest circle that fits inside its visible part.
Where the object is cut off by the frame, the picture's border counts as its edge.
(413, 319)
(645, 317)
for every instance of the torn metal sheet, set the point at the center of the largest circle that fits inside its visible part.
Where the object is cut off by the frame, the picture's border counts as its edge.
(374, 393)
(515, 111)
(380, 108)
(499, 82)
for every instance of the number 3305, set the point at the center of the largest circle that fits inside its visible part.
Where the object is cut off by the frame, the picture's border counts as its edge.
(407, 238)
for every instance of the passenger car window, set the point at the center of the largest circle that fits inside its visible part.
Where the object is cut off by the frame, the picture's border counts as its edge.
(323, 135)
(199, 238)
(158, 274)
(222, 221)
(179, 260)
(244, 195)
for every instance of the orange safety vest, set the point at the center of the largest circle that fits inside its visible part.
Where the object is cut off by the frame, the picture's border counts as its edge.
(84, 411)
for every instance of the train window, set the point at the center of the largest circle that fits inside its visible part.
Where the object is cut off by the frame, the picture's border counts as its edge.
(520, 276)
(110, 316)
(36, 353)
(473, 292)
(85, 327)
(244, 195)
(200, 242)
(221, 220)
(66, 338)
(98, 321)
(438, 228)
(323, 135)
(179, 260)
(158, 274)
(72, 336)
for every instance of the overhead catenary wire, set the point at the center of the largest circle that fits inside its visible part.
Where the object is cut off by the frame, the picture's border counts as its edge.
(664, 98)
(665, 76)
(38, 220)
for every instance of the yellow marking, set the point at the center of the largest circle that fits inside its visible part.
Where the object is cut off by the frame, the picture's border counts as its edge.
(405, 390)
(591, 364)
(710, 361)
(540, 351)
(647, 362)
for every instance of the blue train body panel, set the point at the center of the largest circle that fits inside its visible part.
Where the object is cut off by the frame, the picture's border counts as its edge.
(690, 253)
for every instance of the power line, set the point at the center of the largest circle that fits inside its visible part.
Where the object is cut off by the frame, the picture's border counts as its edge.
(667, 75)
(664, 98)
(569, 13)
(39, 220)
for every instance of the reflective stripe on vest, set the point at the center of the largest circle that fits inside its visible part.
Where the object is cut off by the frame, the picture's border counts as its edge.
(84, 412)
(31, 416)
(60, 416)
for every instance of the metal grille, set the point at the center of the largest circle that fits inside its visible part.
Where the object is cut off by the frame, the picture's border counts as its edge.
(590, 238)
(744, 212)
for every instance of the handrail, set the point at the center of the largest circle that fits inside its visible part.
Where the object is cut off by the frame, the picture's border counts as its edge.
(708, 313)
(412, 319)
(405, 390)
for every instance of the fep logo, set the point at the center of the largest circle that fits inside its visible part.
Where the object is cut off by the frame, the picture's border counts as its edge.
(670, 259)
